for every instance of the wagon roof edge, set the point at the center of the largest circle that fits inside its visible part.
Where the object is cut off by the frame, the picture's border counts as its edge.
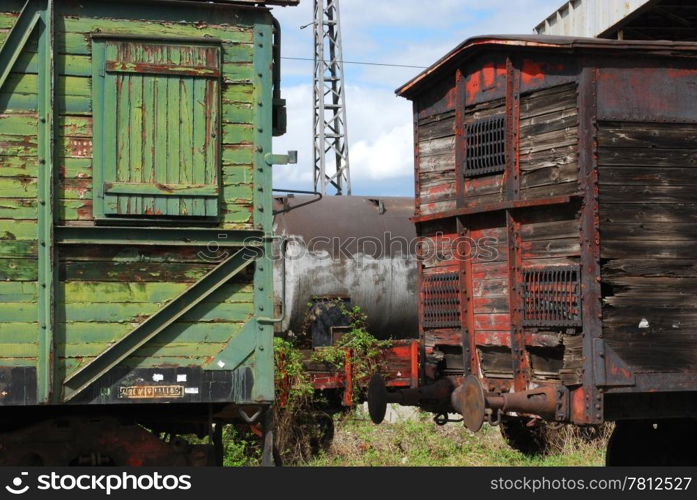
(471, 46)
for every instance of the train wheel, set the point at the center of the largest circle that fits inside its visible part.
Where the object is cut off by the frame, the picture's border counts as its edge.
(527, 439)
(647, 443)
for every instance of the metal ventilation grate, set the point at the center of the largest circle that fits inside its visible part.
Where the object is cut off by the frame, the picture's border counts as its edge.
(486, 146)
(441, 301)
(552, 296)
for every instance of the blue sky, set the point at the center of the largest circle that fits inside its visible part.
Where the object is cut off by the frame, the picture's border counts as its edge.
(410, 32)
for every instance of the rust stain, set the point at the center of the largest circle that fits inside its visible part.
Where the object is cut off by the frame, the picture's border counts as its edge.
(534, 72)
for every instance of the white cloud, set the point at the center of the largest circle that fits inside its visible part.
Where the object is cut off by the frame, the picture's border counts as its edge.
(381, 145)
(410, 32)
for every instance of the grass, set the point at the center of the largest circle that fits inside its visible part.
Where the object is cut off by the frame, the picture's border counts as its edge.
(420, 442)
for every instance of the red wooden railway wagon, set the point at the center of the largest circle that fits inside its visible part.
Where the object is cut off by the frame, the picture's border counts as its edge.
(556, 194)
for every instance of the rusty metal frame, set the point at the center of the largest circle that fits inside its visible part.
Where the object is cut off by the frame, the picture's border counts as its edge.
(520, 359)
(417, 159)
(479, 128)
(554, 275)
(460, 139)
(591, 296)
(469, 346)
(512, 171)
(498, 207)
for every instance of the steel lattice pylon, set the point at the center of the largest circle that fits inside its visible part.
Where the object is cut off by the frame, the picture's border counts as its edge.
(331, 151)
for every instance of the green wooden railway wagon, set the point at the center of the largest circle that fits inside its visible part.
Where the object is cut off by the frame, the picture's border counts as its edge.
(135, 213)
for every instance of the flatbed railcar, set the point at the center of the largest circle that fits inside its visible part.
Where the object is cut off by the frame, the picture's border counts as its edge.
(555, 205)
(136, 280)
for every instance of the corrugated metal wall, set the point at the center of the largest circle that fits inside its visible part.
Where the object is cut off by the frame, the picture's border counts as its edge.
(588, 18)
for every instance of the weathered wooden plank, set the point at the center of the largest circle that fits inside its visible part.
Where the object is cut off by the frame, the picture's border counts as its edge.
(65, 85)
(74, 189)
(666, 176)
(124, 313)
(75, 210)
(649, 231)
(619, 249)
(18, 124)
(549, 175)
(87, 253)
(86, 25)
(74, 147)
(686, 268)
(66, 65)
(546, 101)
(647, 135)
(444, 164)
(441, 192)
(237, 113)
(236, 52)
(238, 93)
(549, 141)
(17, 230)
(493, 287)
(567, 247)
(647, 193)
(440, 126)
(441, 146)
(237, 133)
(154, 349)
(635, 157)
(674, 213)
(550, 157)
(18, 145)
(16, 102)
(100, 335)
(132, 271)
(491, 304)
(475, 187)
(492, 322)
(661, 353)
(238, 174)
(143, 292)
(18, 208)
(552, 122)
(237, 214)
(18, 291)
(541, 231)
(656, 285)
(238, 154)
(18, 249)
(14, 269)
(562, 188)
(485, 110)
